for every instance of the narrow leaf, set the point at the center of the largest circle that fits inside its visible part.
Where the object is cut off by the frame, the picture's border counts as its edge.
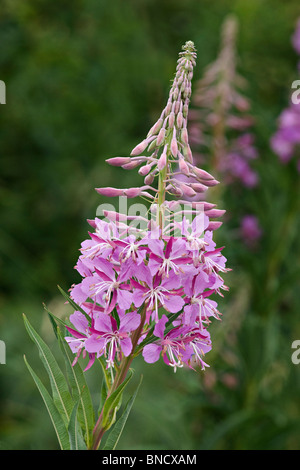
(113, 401)
(103, 395)
(115, 434)
(106, 373)
(79, 389)
(74, 305)
(55, 320)
(61, 395)
(74, 430)
(57, 421)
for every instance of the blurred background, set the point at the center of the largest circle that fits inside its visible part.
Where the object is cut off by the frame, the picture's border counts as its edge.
(85, 80)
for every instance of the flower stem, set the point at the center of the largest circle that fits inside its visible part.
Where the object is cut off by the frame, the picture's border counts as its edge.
(120, 376)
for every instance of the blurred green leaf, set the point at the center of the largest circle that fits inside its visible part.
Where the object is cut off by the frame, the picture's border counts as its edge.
(57, 421)
(115, 434)
(61, 395)
(74, 430)
(113, 401)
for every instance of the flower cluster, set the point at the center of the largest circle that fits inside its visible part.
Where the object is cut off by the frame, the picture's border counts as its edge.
(220, 123)
(149, 291)
(250, 230)
(286, 139)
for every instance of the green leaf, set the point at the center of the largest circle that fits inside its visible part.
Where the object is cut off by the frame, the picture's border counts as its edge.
(74, 305)
(112, 402)
(79, 389)
(117, 430)
(55, 320)
(107, 375)
(103, 395)
(57, 421)
(74, 430)
(60, 391)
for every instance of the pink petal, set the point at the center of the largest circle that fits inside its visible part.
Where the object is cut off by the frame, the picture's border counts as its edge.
(151, 353)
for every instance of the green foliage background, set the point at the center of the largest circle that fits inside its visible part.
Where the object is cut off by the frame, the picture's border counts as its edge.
(85, 81)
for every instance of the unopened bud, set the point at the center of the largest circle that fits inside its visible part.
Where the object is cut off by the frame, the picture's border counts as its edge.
(184, 135)
(131, 165)
(183, 167)
(202, 173)
(187, 190)
(140, 147)
(162, 161)
(168, 107)
(214, 225)
(171, 119)
(149, 179)
(215, 213)
(198, 187)
(188, 154)
(179, 120)
(144, 170)
(118, 161)
(152, 145)
(132, 192)
(185, 110)
(211, 183)
(155, 128)
(110, 192)
(161, 136)
(174, 145)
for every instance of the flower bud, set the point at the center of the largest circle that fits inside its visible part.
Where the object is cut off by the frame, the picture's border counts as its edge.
(110, 192)
(118, 161)
(202, 174)
(171, 119)
(187, 190)
(161, 136)
(215, 213)
(140, 147)
(155, 128)
(184, 136)
(131, 165)
(132, 192)
(144, 170)
(179, 120)
(214, 225)
(149, 179)
(183, 167)
(162, 161)
(198, 187)
(188, 154)
(174, 145)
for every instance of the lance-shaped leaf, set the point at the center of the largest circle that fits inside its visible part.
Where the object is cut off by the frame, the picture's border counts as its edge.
(57, 421)
(55, 320)
(112, 403)
(74, 305)
(79, 389)
(74, 430)
(60, 390)
(115, 434)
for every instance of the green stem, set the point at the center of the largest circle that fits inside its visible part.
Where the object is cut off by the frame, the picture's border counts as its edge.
(161, 195)
(99, 431)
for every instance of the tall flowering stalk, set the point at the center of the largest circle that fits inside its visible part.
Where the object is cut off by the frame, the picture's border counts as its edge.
(146, 285)
(286, 141)
(220, 126)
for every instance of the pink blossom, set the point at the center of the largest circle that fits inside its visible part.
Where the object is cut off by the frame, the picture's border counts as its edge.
(109, 339)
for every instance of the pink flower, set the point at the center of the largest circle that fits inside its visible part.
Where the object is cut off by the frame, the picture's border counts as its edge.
(250, 229)
(109, 339)
(170, 346)
(179, 346)
(158, 292)
(167, 270)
